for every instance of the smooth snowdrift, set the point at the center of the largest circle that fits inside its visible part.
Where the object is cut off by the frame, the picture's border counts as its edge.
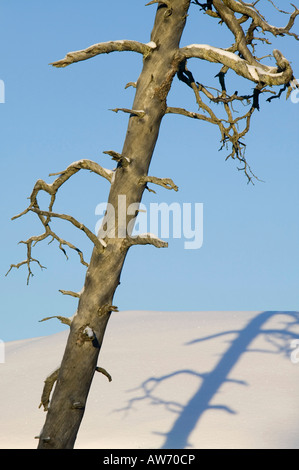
(180, 380)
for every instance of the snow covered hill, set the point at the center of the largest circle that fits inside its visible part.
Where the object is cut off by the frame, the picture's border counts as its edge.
(180, 380)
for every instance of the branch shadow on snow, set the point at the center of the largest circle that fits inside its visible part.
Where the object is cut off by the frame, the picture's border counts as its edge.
(189, 414)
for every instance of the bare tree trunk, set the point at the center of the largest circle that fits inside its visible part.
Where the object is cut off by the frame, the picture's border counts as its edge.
(163, 58)
(95, 304)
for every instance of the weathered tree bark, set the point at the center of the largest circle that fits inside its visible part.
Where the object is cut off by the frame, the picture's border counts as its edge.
(103, 275)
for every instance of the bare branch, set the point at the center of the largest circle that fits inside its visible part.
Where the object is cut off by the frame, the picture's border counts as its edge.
(229, 128)
(62, 242)
(49, 384)
(250, 11)
(32, 241)
(71, 293)
(133, 112)
(64, 175)
(165, 182)
(190, 114)
(160, 2)
(104, 372)
(133, 84)
(45, 216)
(64, 320)
(27, 261)
(98, 243)
(104, 48)
(227, 15)
(106, 309)
(145, 239)
(280, 11)
(121, 159)
(258, 74)
(83, 164)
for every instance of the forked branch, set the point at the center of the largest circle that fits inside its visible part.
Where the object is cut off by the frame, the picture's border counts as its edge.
(64, 175)
(241, 58)
(45, 216)
(98, 243)
(229, 127)
(250, 11)
(29, 259)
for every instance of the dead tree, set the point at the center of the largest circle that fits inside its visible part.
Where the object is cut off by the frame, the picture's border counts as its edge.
(163, 59)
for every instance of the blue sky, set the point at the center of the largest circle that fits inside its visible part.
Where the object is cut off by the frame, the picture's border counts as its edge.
(250, 255)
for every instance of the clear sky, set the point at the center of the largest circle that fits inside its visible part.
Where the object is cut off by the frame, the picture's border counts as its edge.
(250, 254)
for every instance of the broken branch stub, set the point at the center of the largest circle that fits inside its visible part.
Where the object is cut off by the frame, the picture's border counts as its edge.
(64, 320)
(144, 239)
(103, 371)
(120, 159)
(133, 112)
(48, 386)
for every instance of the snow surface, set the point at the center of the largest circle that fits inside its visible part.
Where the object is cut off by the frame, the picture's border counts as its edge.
(179, 380)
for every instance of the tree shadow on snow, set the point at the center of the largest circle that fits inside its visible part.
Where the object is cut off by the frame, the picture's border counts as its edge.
(189, 414)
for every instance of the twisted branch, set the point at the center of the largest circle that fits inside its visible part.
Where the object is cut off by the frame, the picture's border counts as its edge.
(45, 216)
(251, 12)
(64, 175)
(243, 62)
(229, 127)
(99, 244)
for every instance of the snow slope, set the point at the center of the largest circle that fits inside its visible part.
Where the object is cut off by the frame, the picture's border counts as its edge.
(180, 380)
